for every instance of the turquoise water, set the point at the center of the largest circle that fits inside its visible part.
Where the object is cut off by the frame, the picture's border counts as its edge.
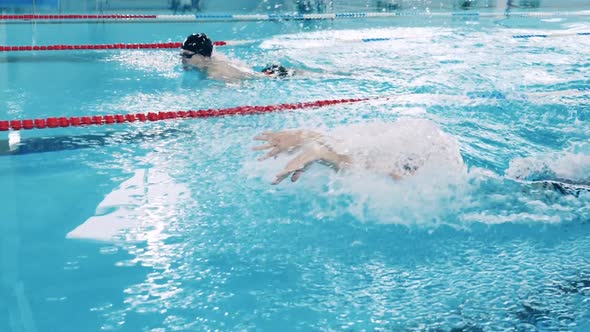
(174, 226)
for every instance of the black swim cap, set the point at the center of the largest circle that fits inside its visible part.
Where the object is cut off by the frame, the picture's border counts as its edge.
(198, 43)
(277, 70)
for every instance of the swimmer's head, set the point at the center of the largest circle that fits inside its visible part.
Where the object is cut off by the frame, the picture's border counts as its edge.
(275, 70)
(197, 43)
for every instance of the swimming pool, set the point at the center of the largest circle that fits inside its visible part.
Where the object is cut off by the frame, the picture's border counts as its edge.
(174, 226)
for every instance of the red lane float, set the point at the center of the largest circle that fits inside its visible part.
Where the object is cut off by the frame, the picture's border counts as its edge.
(118, 46)
(74, 121)
(73, 17)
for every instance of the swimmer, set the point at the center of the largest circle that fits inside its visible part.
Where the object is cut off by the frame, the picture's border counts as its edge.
(197, 52)
(397, 150)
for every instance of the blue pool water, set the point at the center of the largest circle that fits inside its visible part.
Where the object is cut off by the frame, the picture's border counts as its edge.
(174, 226)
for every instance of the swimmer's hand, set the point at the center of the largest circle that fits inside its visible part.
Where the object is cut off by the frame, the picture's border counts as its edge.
(283, 141)
(315, 152)
(297, 165)
(312, 147)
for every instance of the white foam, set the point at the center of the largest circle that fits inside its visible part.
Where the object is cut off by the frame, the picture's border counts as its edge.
(159, 62)
(378, 149)
(570, 165)
(393, 147)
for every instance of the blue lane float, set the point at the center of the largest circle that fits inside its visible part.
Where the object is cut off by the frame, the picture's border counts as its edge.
(530, 36)
(553, 35)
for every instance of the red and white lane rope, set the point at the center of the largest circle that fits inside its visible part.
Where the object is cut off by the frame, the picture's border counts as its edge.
(117, 46)
(75, 121)
(74, 17)
(170, 45)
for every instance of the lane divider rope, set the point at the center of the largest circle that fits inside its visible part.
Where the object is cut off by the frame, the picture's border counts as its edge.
(72, 17)
(117, 46)
(75, 121)
(76, 18)
(552, 35)
(167, 45)
(94, 47)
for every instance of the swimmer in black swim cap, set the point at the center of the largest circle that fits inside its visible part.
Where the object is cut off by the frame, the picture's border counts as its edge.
(197, 53)
(196, 44)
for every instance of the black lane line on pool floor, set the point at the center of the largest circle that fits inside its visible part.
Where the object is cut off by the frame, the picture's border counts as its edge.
(66, 143)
